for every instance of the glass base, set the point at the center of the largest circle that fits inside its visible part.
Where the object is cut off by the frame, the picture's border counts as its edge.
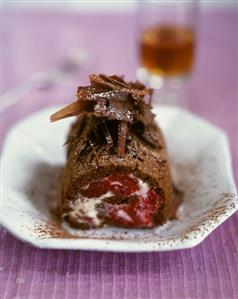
(153, 81)
(167, 89)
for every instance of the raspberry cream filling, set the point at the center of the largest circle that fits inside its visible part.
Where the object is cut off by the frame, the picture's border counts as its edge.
(90, 207)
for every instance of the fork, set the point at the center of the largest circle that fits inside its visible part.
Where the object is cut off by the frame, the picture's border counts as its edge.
(75, 59)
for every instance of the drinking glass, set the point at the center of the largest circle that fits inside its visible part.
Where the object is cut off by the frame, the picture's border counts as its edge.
(166, 44)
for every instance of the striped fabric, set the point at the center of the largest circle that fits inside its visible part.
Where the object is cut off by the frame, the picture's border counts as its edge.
(36, 40)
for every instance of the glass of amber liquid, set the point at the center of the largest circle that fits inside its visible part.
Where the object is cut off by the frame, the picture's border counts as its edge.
(166, 39)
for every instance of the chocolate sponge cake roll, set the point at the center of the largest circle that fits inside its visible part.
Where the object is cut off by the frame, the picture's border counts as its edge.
(117, 171)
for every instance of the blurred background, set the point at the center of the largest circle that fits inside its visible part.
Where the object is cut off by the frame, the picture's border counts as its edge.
(50, 47)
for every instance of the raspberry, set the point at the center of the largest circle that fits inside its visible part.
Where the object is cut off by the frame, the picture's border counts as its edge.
(139, 212)
(119, 184)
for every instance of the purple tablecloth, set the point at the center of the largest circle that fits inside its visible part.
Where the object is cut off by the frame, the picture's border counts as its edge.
(36, 40)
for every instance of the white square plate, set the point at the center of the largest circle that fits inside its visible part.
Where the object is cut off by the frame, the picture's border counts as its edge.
(33, 157)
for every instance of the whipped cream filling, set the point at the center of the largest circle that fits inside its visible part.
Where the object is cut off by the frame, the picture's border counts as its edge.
(85, 207)
(143, 188)
(124, 215)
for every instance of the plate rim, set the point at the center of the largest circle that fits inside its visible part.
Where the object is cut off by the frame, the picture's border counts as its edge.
(127, 245)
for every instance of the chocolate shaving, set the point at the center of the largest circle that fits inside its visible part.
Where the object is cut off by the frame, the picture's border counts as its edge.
(112, 82)
(90, 123)
(72, 109)
(107, 135)
(110, 108)
(76, 130)
(149, 137)
(122, 138)
(119, 110)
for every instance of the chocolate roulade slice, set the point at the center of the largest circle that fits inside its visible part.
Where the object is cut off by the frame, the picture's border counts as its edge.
(117, 171)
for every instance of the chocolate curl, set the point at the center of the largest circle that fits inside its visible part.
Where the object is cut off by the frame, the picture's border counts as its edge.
(72, 109)
(110, 100)
(122, 133)
(107, 135)
(90, 123)
(112, 82)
